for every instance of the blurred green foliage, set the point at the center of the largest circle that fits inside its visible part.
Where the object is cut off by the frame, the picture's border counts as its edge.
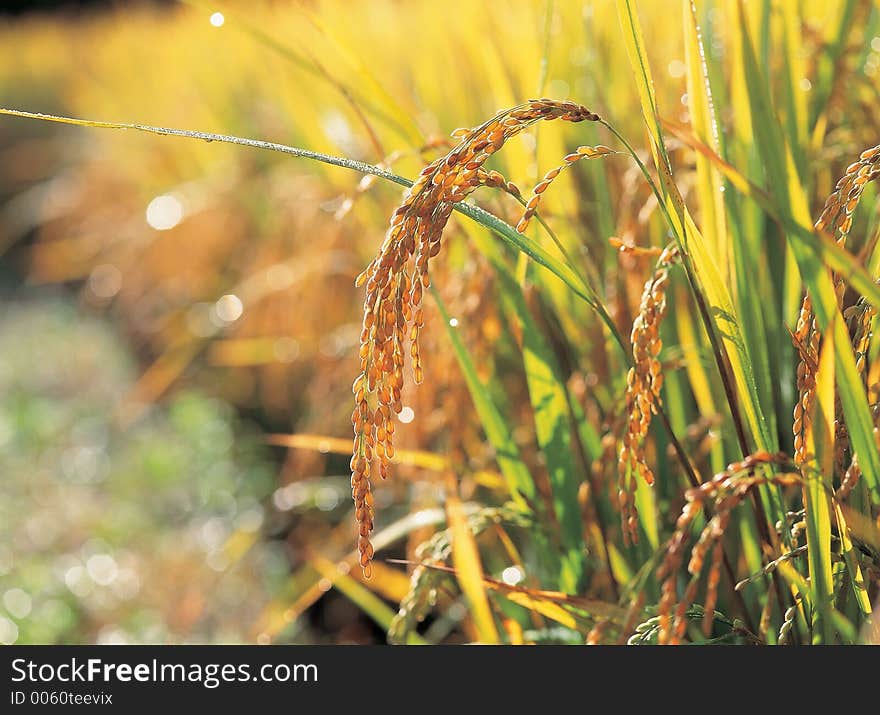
(120, 535)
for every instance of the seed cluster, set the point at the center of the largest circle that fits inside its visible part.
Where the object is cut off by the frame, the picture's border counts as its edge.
(840, 205)
(643, 383)
(725, 491)
(771, 566)
(494, 179)
(836, 216)
(397, 279)
(788, 620)
(806, 336)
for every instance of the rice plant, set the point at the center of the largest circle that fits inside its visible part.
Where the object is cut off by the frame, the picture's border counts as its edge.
(637, 403)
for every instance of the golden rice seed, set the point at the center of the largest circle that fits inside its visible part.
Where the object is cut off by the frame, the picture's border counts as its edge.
(664, 609)
(538, 190)
(712, 582)
(850, 479)
(788, 621)
(632, 524)
(680, 621)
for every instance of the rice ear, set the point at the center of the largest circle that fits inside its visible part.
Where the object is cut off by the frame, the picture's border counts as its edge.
(396, 281)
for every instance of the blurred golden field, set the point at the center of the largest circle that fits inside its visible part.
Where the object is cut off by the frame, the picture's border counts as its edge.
(180, 323)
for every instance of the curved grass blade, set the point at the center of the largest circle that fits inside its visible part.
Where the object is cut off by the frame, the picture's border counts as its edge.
(816, 489)
(550, 405)
(336, 445)
(710, 186)
(519, 480)
(468, 571)
(360, 595)
(792, 206)
(505, 231)
(304, 587)
(850, 557)
(821, 245)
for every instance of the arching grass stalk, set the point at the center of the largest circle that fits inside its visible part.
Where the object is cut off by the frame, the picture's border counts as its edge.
(490, 221)
(567, 274)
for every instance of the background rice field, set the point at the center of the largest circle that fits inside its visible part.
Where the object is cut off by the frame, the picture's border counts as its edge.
(180, 326)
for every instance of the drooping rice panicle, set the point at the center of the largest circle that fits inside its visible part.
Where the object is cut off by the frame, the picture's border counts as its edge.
(643, 383)
(712, 581)
(806, 338)
(598, 632)
(723, 492)
(837, 217)
(839, 207)
(395, 284)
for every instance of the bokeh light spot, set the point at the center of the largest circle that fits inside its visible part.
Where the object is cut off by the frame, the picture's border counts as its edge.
(18, 602)
(286, 349)
(164, 212)
(677, 69)
(229, 308)
(102, 568)
(512, 575)
(105, 281)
